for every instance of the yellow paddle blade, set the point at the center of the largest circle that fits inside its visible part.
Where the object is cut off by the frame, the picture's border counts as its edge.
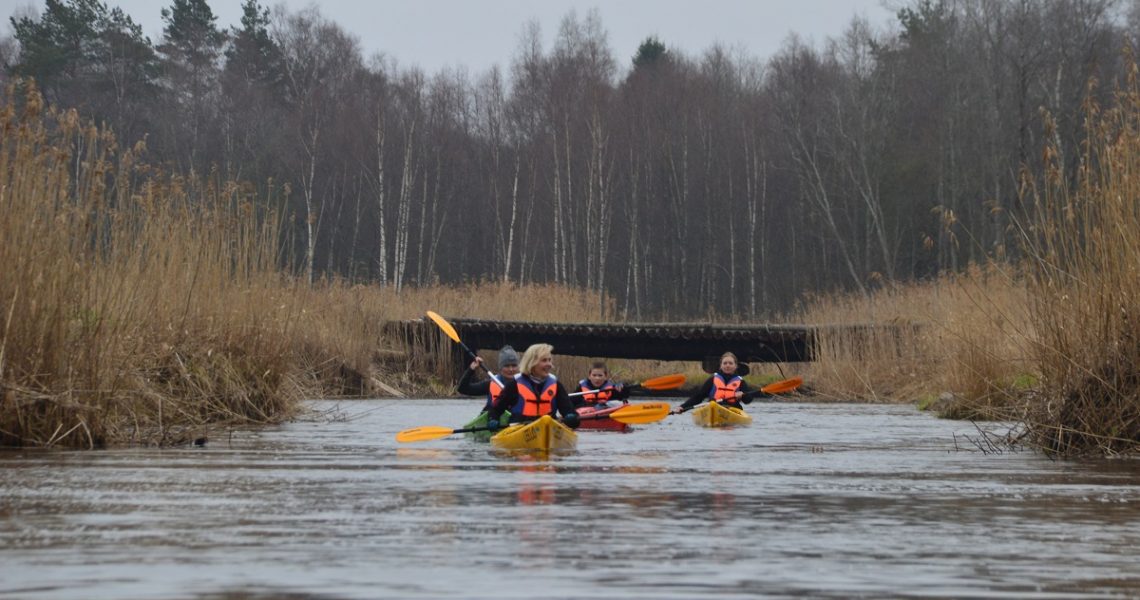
(644, 412)
(444, 325)
(423, 434)
(786, 385)
(665, 382)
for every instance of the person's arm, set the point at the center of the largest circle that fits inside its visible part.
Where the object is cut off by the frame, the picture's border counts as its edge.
(701, 395)
(565, 406)
(469, 387)
(621, 393)
(743, 390)
(562, 400)
(507, 399)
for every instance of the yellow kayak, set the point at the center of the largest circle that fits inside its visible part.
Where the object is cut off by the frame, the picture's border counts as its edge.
(714, 414)
(543, 434)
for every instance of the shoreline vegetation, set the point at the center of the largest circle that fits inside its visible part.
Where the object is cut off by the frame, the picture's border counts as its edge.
(144, 307)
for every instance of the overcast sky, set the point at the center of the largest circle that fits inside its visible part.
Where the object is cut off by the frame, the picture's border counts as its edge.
(478, 34)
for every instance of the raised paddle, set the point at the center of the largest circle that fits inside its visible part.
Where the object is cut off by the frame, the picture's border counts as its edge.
(450, 332)
(634, 414)
(786, 385)
(664, 382)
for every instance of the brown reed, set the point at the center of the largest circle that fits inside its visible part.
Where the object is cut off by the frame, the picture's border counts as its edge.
(1083, 243)
(144, 307)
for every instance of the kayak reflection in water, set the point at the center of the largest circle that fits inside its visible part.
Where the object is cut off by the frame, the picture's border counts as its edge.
(534, 391)
(724, 386)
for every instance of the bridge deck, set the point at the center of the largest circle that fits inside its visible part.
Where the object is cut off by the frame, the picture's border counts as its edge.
(654, 341)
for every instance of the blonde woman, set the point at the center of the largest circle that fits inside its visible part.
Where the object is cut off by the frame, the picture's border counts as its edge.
(724, 386)
(534, 392)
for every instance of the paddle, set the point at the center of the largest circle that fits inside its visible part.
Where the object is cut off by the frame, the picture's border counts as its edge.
(664, 382)
(786, 385)
(450, 332)
(635, 414)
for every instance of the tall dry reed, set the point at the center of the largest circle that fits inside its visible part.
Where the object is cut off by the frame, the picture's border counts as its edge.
(961, 337)
(1083, 242)
(136, 306)
(143, 307)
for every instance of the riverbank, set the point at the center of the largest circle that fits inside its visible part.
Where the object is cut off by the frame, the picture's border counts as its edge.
(142, 307)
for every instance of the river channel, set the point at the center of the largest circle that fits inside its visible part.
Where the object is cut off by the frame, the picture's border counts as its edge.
(817, 500)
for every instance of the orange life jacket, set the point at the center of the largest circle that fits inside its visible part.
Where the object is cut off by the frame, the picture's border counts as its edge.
(493, 392)
(535, 403)
(725, 390)
(603, 394)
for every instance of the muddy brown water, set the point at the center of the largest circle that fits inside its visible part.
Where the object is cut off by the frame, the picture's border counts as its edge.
(818, 500)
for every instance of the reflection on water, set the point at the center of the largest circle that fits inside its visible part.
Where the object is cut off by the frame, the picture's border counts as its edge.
(818, 500)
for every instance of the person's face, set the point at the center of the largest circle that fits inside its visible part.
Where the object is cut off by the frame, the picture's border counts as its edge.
(597, 377)
(509, 371)
(728, 365)
(543, 367)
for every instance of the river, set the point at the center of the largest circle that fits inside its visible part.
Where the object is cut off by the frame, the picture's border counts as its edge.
(819, 500)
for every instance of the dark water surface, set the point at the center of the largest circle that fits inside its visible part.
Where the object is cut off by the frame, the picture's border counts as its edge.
(835, 500)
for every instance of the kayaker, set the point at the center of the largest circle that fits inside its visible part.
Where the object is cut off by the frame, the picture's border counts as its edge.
(534, 391)
(724, 386)
(607, 392)
(508, 368)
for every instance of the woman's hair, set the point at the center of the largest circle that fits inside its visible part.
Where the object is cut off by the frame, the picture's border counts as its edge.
(532, 355)
(734, 359)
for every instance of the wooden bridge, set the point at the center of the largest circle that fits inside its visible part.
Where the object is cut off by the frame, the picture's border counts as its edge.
(701, 342)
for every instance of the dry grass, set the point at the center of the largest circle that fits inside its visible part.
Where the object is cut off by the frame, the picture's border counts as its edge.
(1083, 243)
(961, 337)
(140, 307)
(119, 298)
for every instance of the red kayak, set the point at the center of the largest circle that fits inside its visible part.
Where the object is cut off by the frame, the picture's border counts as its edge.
(596, 423)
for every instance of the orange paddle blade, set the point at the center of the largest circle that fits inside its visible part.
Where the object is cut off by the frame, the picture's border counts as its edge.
(444, 325)
(641, 413)
(786, 385)
(665, 382)
(423, 434)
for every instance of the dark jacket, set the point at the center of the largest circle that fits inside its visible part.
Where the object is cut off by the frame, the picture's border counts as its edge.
(469, 387)
(702, 393)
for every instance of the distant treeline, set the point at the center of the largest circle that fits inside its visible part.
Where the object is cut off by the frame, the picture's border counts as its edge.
(677, 185)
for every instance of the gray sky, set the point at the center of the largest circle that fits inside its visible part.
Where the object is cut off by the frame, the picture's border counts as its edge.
(480, 33)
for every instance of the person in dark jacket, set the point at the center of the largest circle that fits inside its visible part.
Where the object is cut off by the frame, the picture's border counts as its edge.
(490, 388)
(724, 386)
(534, 391)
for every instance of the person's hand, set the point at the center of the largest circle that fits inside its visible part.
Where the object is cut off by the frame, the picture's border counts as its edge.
(571, 419)
(475, 364)
(492, 424)
(619, 386)
(739, 394)
(677, 410)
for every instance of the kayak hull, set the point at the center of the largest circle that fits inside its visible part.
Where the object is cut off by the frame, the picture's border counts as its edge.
(715, 414)
(481, 421)
(593, 422)
(541, 435)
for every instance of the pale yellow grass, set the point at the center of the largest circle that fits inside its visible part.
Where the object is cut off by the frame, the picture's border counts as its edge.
(961, 336)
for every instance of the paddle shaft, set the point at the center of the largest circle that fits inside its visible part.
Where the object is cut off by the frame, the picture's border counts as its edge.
(488, 428)
(785, 385)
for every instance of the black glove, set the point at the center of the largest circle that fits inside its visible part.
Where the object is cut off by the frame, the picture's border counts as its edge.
(571, 420)
(492, 424)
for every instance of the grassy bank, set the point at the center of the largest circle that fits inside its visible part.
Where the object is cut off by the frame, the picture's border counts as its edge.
(1053, 344)
(139, 307)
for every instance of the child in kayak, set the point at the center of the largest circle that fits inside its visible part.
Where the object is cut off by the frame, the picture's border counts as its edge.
(724, 386)
(601, 392)
(534, 391)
